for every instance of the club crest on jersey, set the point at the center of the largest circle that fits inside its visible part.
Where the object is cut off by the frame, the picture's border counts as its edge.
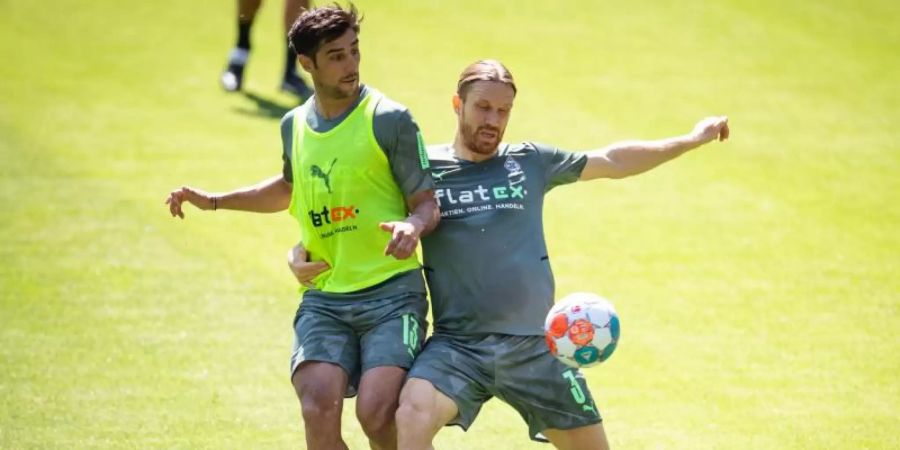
(511, 165)
(515, 175)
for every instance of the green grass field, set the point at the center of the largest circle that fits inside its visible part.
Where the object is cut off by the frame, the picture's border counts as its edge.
(758, 281)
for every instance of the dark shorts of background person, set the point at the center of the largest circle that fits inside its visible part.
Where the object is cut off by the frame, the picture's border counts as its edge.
(518, 370)
(370, 328)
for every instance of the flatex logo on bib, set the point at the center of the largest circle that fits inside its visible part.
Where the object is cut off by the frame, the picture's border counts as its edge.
(336, 215)
(333, 215)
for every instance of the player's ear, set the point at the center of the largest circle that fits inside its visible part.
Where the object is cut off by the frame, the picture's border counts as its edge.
(457, 103)
(306, 62)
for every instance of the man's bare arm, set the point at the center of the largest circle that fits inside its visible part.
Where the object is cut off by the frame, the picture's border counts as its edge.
(624, 159)
(268, 196)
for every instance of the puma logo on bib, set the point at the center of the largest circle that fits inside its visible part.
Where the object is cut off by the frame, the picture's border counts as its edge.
(317, 172)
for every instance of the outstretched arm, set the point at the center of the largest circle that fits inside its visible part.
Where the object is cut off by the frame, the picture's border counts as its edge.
(624, 159)
(267, 196)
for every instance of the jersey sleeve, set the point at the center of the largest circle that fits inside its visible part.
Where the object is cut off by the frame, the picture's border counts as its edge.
(287, 140)
(400, 138)
(560, 166)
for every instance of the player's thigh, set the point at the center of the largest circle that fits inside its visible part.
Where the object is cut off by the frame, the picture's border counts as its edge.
(427, 403)
(589, 437)
(544, 391)
(391, 331)
(379, 391)
(322, 334)
(319, 384)
(458, 371)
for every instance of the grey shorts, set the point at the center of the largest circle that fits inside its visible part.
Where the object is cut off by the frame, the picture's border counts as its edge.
(360, 335)
(518, 370)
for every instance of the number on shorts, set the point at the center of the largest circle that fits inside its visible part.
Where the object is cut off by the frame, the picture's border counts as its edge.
(410, 334)
(577, 392)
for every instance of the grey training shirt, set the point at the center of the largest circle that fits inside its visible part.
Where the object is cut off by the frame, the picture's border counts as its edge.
(486, 263)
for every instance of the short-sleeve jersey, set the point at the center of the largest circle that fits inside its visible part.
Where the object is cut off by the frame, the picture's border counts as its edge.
(486, 264)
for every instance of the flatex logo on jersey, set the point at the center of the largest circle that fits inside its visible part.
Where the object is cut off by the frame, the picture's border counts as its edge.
(481, 198)
(336, 215)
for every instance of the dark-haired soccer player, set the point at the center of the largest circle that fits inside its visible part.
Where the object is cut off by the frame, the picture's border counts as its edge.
(355, 178)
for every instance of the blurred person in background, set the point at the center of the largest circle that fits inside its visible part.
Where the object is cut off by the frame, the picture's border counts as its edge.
(232, 78)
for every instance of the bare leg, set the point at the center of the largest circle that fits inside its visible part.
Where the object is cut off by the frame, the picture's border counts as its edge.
(233, 77)
(379, 392)
(423, 411)
(320, 386)
(292, 10)
(292, 82)
(247, 9)
(590, 437)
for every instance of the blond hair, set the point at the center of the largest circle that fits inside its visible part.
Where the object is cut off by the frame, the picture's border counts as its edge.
(483, 70)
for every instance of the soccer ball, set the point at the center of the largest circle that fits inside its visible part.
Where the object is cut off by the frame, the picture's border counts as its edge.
(582, 329)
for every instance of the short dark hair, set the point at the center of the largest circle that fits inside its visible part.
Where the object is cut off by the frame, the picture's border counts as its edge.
(322, 25)
(484, 70)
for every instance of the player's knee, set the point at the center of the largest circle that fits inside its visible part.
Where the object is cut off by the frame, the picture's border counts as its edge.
(413, 413)
(376, 415)
(405, 416)
(320, 393)
(320, 409)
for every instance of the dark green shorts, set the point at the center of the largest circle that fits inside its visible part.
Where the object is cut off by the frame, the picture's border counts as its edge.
(518, 370)
(360, 335)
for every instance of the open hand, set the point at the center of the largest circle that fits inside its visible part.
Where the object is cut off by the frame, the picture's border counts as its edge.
(196, 197)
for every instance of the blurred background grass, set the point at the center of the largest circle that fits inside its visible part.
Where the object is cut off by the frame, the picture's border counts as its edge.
(757, 280)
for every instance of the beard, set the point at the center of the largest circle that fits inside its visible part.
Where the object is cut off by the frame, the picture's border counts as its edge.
(476, 142)
(341, 90)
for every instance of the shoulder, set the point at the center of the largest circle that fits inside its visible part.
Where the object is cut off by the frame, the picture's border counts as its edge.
(287, 120)
(440, 154)
(385, 104)
(388, 110)
(392, 112)
(524, 149)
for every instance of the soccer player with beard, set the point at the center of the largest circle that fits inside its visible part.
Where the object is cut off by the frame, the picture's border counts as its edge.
(355, 177)
(489, 274)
